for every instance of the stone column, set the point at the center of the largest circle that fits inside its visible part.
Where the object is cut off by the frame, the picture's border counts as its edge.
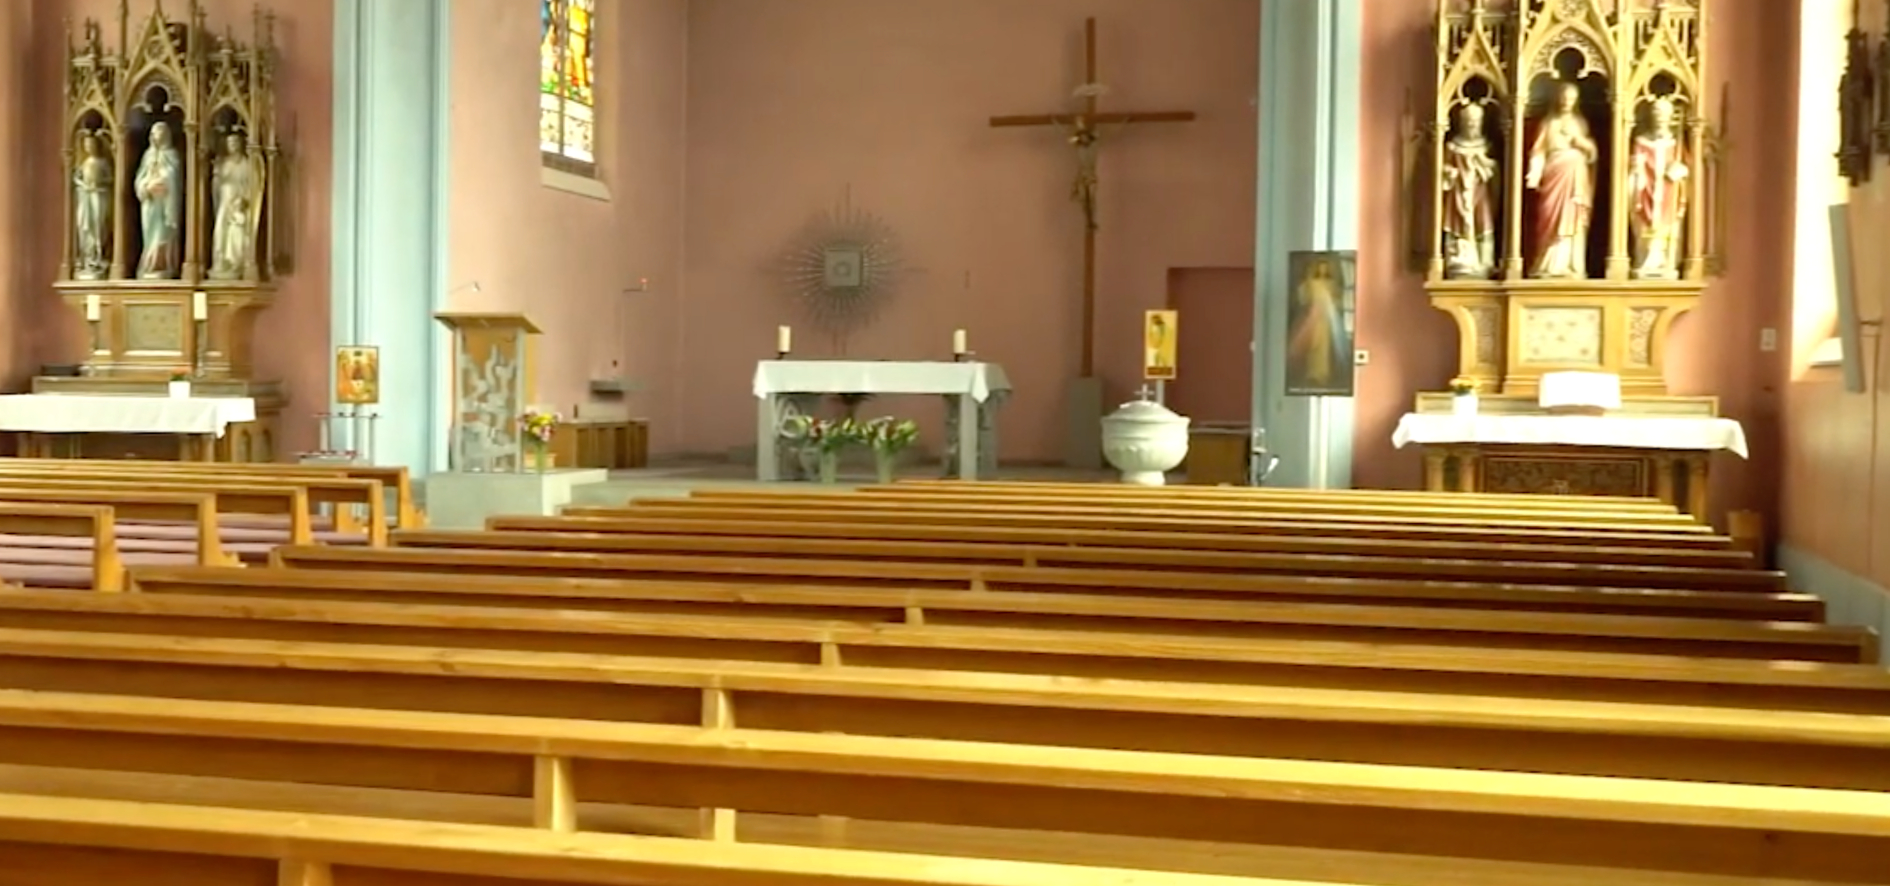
(389, 215)
(1308, 199)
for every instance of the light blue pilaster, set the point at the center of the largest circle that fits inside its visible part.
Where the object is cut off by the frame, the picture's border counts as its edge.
(1308, 199)
(389, 213)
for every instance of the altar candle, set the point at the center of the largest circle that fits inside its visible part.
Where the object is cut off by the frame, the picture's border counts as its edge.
(783, 340)
(959, 345)
(199, 306)
(91, 308)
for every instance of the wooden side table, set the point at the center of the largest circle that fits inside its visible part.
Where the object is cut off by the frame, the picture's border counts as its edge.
(602, 443)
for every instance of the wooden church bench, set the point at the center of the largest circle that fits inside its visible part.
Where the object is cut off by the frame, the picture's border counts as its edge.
(341, 494)
(1147, 519)
(160, 620)
(239, 499)
(395, 479)
(91, 841)
(1152, 615)
(1019, 788)
(1461, 513)
(758, 525)
(1268, 493)
(43, 560)
(91, 523)
(949, 576)
(1040, 555)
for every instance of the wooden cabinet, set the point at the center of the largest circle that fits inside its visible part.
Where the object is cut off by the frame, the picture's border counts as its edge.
(612, 444)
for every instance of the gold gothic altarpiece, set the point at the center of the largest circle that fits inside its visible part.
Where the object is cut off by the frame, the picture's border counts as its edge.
(1565, 209)
(173, 215)
(1565, 188)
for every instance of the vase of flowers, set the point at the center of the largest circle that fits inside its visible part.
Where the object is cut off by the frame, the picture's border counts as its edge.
(889, 437)
(1463, 401)
(179, 387)
(535, 430)
(826, 439)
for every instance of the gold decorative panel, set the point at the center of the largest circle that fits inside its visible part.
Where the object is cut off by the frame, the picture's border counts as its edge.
(1561, 335)
(1641, 325)
(1587, 476)
(1488, 324)
(154, 330)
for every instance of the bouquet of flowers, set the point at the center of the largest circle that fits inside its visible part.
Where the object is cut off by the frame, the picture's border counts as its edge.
(537, 427)
(180, 374)
(1463, 386)
(890, 436)
(824, 435)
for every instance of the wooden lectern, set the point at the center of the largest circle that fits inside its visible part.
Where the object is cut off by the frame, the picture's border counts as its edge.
(491, 388)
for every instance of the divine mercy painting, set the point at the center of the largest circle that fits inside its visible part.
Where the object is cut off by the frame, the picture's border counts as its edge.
(1319, 318)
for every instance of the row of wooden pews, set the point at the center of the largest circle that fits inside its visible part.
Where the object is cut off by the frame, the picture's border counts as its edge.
(961, 684)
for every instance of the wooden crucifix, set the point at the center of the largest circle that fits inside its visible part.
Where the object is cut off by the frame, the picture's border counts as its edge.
(1085, 138)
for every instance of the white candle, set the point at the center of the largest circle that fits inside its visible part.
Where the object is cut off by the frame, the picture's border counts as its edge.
(959, 346)
(783, 340)
(199, 306)
(91, 308)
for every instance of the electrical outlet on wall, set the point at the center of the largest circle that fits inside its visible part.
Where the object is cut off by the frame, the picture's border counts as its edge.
(1768, 339)
(1361, 357)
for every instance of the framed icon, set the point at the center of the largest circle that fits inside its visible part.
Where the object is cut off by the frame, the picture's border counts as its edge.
(1320, 315)
(357, 375)
(1159, 331)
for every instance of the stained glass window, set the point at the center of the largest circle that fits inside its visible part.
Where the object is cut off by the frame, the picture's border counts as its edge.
(567, 96)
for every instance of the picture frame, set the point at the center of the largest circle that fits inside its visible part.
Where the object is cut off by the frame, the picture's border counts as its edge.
(357, 375)
(1161, 332)
(1318, 338)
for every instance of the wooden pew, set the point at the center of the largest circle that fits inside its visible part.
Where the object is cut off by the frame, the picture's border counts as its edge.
(1052, 555)
(407, 514)
(757, 524)
(141, 621)
(194, 509)
(1142, 519)
(91, 522)
(1504, 500)
(1469, 514)
(1118, 796)
(92, 841)
(1153, 615)
(342, 494)
(290, 503)
(1462, 594)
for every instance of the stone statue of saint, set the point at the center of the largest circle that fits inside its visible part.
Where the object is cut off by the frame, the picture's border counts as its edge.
(1469, 219)
(91, 210)
(1657, 183)
(237, 184)
(159, 187)
(1562, 173)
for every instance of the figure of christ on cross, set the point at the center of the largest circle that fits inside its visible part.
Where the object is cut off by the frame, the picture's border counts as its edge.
(1085, 138)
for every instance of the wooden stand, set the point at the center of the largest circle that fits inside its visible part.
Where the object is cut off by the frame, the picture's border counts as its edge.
(492, 381)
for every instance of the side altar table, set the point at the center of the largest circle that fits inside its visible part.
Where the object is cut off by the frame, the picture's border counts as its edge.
(1666, 457)
(114, 426)
(973, 392)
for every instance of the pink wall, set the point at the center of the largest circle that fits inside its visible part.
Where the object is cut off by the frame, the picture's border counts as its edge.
(1836, 487)
(791, 104)
(1715, 349)
(305, 117)
(1214, 351)
(562, 258)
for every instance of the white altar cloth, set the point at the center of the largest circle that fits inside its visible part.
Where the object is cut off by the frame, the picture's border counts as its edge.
(120, 414)
(972, 383)
(1619, 431)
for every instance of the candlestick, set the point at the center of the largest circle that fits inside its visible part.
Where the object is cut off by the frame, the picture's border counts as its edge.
(199, 306)
(959, 343)
(783, 339)
(92, 308)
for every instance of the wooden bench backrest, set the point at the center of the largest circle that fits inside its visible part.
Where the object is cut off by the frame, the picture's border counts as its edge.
(1467, 513)
(198, 509)
(290, 502)
(1505, 500)
(949, 576)
(1152, 616)
(343, 492)
(1431, 518)
(1017, 787)
(1574, 573)
(92, 522)
(391, 478)
(159, 620)
(757, 524)
(973, 515)
(90, 840)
